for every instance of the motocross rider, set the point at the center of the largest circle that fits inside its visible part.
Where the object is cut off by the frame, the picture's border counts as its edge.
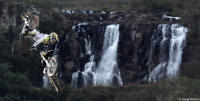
(36, 35)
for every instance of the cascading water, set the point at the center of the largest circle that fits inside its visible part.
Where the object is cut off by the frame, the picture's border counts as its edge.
(107, 69)
(88, 45)
(169, 67)
(106, 73)
(159, 70)
(87, 74)
(177, 43)
(46, 82)
(74, 81)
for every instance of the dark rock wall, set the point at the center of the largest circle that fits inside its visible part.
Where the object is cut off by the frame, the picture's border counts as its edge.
(133, 52)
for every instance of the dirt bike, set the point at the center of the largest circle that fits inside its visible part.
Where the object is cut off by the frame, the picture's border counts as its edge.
(49, 59)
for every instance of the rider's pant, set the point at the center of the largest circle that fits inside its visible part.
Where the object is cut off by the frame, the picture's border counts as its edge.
(42, 39)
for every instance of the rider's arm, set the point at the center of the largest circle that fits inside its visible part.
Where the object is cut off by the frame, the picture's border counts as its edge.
(26, 31)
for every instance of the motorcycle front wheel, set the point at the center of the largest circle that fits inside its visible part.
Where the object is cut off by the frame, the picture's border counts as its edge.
(53, 66)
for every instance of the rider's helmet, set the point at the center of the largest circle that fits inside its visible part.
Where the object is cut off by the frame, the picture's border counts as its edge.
(53, 37)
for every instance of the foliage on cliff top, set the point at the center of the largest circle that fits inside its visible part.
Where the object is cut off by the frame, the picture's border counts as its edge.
(38, 3)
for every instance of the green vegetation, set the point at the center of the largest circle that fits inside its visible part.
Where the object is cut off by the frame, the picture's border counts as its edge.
(21, 73)
(189, 10)
(165, 91)
(17, 87)
(38, 3)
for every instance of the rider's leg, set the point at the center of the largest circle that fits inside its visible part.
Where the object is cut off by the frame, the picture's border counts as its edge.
(53, 83)
(57, 81)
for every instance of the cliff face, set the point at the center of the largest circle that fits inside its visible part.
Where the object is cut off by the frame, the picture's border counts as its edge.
(7, 19)
(136, 30)
(73, 26)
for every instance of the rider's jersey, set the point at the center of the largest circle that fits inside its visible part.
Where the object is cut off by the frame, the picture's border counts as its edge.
(38, 35)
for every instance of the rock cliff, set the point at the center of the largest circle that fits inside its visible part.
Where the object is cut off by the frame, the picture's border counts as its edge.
(73, 26)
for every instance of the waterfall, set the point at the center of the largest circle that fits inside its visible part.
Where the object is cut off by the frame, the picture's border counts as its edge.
(46, 82)
(106, 73)
(88, 45)
(177, 43)
(159, 70)
(74, 81)
(107, 70)
(169, 63)
(88, 72)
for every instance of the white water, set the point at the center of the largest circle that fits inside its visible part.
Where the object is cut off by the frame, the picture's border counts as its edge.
(88, 72)
(74, 81)
(171, 17)
(69, 11)
(106, 73)
(158, 72)
(178, 37)
(170, 67)
(107, 68)
(46, 82)
(88, 46)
